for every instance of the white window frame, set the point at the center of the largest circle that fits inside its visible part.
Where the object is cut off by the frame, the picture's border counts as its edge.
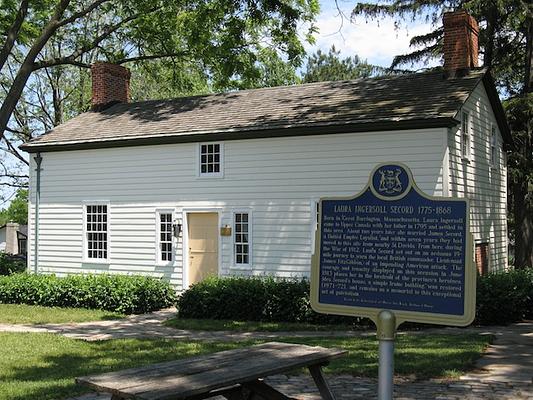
(466, 135)
(219, 174)
(233, 239)
(85, 257)
(159, 260)
(494, 148)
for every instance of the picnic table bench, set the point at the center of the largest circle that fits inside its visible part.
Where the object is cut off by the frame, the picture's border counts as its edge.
(233, 374)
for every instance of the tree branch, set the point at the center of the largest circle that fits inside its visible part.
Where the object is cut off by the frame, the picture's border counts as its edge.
(81, 13)
(71, 59)
(12, 150)
(12, 33)
(151, 57)
(25, 70)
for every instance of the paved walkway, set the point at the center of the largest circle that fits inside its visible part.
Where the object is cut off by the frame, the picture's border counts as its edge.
(505, 372)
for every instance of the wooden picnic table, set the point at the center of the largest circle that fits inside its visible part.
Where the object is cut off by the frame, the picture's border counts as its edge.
(233, 374)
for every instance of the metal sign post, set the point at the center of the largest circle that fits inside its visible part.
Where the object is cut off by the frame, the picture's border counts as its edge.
(394, 254)
(386, 335)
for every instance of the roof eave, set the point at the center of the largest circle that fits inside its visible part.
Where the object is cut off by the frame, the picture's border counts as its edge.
(316, 129)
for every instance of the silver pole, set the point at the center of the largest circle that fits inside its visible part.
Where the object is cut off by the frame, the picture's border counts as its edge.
(386, 333)
(386, 369)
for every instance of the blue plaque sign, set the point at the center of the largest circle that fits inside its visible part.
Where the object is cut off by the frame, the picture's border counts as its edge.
(392, 247)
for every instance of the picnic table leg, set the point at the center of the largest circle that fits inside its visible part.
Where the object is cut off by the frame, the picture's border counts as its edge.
(321, 383)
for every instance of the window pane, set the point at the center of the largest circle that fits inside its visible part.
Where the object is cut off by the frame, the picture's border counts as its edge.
(96, 231)
(165, 237)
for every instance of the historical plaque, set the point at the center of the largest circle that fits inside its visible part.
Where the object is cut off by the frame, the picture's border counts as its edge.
(392, 247)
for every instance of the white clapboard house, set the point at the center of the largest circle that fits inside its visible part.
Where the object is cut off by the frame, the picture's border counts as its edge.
(228, 183)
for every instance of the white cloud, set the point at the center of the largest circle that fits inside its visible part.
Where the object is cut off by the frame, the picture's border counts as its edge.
(376, 41)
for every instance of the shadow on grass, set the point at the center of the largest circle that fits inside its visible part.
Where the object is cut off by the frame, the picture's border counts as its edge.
(44, 366)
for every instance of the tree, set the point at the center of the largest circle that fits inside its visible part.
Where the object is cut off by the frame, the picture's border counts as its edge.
(506, 42)
(328, 67)
(17, 210)
(225, 36)
(173, 47)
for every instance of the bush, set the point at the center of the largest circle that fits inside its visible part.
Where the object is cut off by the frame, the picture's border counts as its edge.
(253, 299)
(119, 293)
(504, 297)
(11, 264)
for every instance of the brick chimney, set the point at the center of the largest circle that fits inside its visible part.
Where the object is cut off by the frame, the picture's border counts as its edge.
(460, 42)
(111, 84)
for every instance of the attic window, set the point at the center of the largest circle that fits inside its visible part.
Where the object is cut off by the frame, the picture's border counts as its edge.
(211, 155)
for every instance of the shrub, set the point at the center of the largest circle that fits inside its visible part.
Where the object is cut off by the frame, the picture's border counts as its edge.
(253, 299)
(504, 297)
(11, 264)
(224, 298)
(120, 293)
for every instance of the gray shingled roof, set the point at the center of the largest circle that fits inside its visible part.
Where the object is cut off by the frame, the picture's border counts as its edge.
(428, 98)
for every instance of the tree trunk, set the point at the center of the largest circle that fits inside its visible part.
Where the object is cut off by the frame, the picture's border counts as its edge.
(522, 191)
(12, 33)
(489, 43)
(523, 226)
(23, 74)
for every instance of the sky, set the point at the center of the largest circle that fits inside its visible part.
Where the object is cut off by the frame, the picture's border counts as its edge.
(378, 43)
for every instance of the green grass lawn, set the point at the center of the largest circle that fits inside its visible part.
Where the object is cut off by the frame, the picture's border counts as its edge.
(248, 326)
(43, 366)
(25, 314)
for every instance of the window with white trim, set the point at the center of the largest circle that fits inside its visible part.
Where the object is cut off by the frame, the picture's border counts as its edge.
(165, 246)
(96, 231)
(465, 135)
(211, 155)
(493, 147)
(241, 225)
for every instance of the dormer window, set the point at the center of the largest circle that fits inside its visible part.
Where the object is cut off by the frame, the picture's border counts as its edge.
(211, 159)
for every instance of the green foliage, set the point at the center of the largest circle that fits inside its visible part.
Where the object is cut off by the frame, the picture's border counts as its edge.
(505, 40)
(520, 116)
(330, 67)
(17, 210)
(10, 264)
(501, 38)
(125, 294)
(253, 299)
(504, 297)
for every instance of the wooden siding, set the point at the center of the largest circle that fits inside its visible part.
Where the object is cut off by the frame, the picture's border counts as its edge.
(476, 179)
(277, 179)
